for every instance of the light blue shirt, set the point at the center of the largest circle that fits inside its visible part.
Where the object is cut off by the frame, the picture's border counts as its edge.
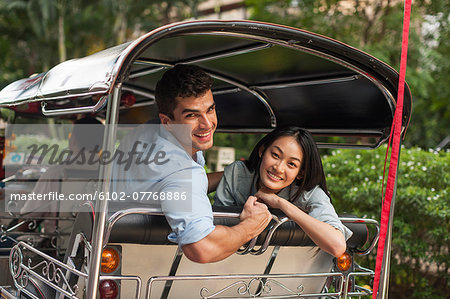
(238, 183)
(180, 177)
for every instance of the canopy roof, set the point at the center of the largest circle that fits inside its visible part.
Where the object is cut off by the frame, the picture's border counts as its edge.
(266, 75)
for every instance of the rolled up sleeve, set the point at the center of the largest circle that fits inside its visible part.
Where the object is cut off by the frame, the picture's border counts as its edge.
(192, 220)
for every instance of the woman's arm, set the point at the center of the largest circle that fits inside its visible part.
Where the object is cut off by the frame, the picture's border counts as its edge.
(213, 180)
(325, 236)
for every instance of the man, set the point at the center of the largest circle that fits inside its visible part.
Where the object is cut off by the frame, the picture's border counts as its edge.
(184, 98)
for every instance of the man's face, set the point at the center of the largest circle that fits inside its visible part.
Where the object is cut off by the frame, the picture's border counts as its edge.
(200, 114)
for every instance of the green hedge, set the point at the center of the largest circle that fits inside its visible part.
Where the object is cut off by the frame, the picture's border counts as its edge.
(420, 257)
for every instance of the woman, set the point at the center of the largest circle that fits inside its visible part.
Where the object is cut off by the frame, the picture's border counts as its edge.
(285, 172)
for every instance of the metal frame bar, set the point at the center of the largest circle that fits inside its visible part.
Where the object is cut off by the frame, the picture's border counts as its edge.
(260, 96)
(139, 91)
(273, 228)
(309, 82)
(89, 109)
(347, 281)
(22, 270)
(223, 54)
(102, 205)
(248, 276)
(365, 221)
(173, 271)
(385, 268)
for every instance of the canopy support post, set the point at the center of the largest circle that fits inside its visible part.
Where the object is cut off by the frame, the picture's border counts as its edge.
(384, 275)
(101, 206)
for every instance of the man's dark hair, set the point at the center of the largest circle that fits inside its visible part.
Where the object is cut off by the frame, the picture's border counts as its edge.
(181, 81)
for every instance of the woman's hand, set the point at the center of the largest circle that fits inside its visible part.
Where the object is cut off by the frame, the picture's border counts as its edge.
(322, 234)
(269, 198)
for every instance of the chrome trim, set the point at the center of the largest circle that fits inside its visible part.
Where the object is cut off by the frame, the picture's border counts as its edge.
(89, 109)
(244, 287)
(102, 205)
(139, 91)
(246, 248)
(309, 82)
(52, 271)
(269, 265)
(244, 50)
(226, 91)
(347, 281)
(156, 69)
(375, 238)
(173, 271)
(112, 220)
(126, 277)
(385, 267)
(272, 258)
(273, 228)
(255, 92)
(351, 146)
(54, 97)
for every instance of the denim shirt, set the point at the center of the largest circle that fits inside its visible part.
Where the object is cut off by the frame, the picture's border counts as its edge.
(190, 218)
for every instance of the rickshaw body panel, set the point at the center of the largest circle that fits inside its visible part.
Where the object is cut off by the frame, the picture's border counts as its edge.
(265, 76)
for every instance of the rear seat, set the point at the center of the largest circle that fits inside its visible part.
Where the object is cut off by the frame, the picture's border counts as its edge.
(146, 229)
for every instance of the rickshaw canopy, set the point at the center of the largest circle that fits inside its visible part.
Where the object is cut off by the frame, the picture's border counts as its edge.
(265, 75)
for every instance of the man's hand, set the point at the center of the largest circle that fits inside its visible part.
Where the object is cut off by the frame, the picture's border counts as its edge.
(223, 241)
(256, 215)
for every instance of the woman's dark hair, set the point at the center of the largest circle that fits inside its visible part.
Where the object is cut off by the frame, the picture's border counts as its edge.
(180, 81)
(311, 168)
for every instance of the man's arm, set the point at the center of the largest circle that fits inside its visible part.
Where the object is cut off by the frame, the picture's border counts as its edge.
(213, 180)
(223, 241)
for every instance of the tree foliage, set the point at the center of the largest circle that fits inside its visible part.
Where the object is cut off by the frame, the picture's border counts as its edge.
(35, 35)
(376, 28)
(420, 257)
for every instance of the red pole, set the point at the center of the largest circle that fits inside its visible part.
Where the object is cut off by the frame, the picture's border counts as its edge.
(395, 152)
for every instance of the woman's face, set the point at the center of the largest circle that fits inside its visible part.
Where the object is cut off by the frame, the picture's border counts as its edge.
(281, 163)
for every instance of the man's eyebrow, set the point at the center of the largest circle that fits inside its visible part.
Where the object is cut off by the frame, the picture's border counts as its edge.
(189, 111)
(195, 110)
(278, 148)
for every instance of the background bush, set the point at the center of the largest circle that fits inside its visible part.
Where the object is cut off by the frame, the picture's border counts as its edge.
(420, 257)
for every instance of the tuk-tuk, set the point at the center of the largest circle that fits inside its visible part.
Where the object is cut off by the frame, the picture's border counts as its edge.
(265, 76)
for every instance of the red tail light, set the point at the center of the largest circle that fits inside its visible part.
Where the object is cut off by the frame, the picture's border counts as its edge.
(108, 289)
